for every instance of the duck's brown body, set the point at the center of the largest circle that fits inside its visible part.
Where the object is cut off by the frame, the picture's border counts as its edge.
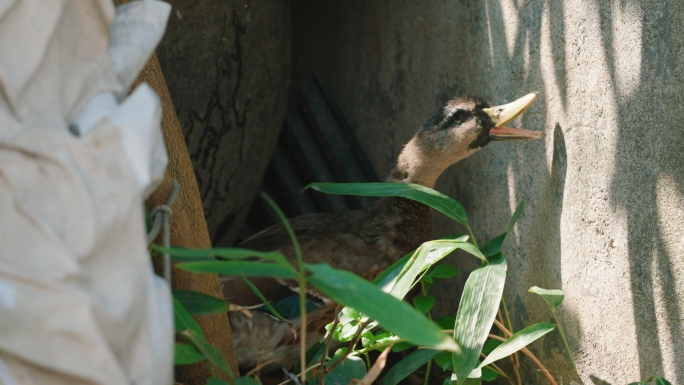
(368, 241)
(365, 242)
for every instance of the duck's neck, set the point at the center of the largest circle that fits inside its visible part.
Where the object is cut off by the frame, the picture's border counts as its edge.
(415, 165)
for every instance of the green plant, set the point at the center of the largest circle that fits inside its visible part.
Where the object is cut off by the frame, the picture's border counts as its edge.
(373, 316)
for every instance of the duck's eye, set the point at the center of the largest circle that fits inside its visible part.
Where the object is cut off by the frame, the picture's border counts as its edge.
(456, 118)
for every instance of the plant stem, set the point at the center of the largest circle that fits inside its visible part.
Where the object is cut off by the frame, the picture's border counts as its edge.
(565, 341)
(330, 336)
(429, 314)
(526, 351)
(427, 372)
(301, 280)
(367, 357)
(377, 347)
(472, 236)
(514, 357)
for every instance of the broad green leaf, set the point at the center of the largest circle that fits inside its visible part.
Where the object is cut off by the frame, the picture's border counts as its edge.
(408, 365)
(424, 303)
(387, 278)
(425, 256)
(208, 350)
(446, 322)
(494, 246)
(216, 381)
(553, 297)
(184, 254)
(488, 374)
(490, 345)
(401, 346)
(186, 354)
(351, 368)
(660, 381)
(183, 320)
(444, 361)
(422, 194)
(476, 312)
(442, 272)
(393, 315)
(197, 303)
(245, 268)
(518, 341)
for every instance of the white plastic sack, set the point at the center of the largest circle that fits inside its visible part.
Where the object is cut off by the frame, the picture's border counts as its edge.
(79, 302)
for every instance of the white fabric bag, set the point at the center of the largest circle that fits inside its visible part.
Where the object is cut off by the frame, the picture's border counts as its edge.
(79, 301)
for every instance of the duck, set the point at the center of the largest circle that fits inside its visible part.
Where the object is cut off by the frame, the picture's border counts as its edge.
(364, 242)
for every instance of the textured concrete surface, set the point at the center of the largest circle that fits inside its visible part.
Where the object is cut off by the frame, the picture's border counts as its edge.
(605, 190)
(227, 64)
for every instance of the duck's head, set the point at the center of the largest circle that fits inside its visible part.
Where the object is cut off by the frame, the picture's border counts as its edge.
(458, 129)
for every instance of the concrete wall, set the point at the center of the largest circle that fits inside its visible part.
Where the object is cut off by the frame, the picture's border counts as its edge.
(227, 64)
(604, 217)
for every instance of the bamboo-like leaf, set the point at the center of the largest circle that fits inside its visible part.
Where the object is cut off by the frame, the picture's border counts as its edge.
(183, 320)
(352, 368)
(186, 354)
(442, 272)
(476, 312)
(424, 303)
(208, 350)
(387, 278)
(197, 303)
(518, 341)
(494, 246)
(229, 253)
(217, 381)
(553, 297)
(244, 268)
(263, 299)
(422, 194)
(489, 375)
(408, 365)
(393, 315)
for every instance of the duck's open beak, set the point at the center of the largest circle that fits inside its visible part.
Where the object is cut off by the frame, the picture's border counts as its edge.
(503, 114)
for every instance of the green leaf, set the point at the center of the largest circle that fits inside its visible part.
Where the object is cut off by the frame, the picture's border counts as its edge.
(245, 268)
(442, 272)
(490, 345)
(186, 354)
(208, 350)
(444, 360)
(424, 303)
(393, 315)
(518, 341)
(408, 365)
(197, 303)
(401, 346)
(422, 194)
(553, 297)
(446, 322)
(425, 256)
(263, 299)
(476, 312)
(216, 381)
(183, 320)
(233, 253)
(494, 246)
(659, 380)
(351, 368)
(488, 374)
